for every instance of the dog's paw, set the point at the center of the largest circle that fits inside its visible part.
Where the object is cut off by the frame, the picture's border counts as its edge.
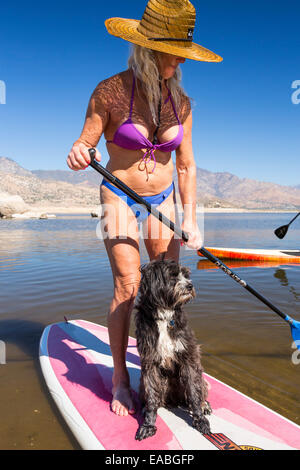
(202, 425)
(206, 408)
(144, 432)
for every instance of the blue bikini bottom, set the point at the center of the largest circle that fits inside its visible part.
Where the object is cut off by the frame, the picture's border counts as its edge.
(140, 212)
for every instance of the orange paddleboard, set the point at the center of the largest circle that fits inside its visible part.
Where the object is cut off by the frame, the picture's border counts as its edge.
(283, 256)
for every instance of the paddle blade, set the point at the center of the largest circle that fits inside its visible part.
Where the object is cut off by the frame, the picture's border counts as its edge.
(295, 329)
(280, 232)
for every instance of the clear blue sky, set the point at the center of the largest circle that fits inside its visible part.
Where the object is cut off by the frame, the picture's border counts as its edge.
(53, 54)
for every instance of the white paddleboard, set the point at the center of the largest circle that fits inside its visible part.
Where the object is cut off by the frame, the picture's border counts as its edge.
(77, 365)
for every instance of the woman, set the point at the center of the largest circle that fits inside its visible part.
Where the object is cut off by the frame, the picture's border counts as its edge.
(144, 114)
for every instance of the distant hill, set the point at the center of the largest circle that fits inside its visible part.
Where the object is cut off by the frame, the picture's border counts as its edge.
(7, 165)
(82, 188)
(16, 180)
(87, 177)
(245, 192)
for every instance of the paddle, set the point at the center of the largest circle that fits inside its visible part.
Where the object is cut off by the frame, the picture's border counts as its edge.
(295, 325)
(281, 232)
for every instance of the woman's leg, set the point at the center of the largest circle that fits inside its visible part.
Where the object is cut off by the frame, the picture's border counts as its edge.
(158, 238)
(122, 245)
(125, 263)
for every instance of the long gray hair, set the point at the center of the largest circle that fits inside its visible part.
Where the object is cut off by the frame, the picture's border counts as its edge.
(143, 62)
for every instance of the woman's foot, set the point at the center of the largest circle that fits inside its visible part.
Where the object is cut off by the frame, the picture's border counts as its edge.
(122, 402)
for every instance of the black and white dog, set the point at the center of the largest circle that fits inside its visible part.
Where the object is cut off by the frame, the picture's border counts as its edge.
(171, 371)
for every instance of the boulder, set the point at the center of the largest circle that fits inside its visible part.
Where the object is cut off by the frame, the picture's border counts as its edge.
(47, 216)
(10, 204)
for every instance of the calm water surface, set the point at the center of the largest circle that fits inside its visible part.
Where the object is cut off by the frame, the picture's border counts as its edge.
(57, 267)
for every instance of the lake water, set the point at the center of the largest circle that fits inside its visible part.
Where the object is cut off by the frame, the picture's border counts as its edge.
(57, 267)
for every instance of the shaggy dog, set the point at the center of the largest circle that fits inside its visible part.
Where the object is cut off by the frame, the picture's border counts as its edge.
(171, 371)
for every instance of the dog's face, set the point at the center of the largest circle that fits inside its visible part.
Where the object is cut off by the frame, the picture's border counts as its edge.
(166, 283)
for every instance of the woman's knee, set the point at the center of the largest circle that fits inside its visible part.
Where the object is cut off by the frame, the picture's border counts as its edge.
(126, 287)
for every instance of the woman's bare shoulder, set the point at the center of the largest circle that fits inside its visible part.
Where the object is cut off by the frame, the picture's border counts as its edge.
(107, 89)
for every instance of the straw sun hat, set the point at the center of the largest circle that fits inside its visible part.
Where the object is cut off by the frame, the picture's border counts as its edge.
(166, 26)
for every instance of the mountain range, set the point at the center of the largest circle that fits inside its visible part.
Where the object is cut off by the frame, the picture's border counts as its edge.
(69, 188)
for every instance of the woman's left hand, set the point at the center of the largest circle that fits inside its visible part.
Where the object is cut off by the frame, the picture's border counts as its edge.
(195, 236)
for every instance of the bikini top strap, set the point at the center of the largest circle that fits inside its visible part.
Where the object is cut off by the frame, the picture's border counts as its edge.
(173, 104)
(132, 96)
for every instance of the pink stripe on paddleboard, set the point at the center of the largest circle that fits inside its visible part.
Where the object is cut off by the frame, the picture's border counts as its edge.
(242, 411)
(88, 386)
(101, 333)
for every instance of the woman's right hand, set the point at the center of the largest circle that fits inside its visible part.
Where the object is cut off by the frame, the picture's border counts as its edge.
(79, 157)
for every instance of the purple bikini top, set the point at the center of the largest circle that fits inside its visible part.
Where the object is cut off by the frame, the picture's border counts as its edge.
(129, 137)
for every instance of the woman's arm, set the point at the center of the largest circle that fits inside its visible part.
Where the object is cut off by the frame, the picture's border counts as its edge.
(186, 170)
(95, 122)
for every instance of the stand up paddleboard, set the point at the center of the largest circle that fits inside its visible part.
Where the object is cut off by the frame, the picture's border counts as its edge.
(77, 365)
(283, 256)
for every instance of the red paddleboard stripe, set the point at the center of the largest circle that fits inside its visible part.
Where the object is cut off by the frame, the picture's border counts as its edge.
(222, 442)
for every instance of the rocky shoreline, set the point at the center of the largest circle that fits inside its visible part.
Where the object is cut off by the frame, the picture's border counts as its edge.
(14, 207)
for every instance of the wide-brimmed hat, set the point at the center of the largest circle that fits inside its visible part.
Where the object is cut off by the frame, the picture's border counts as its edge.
(166, 26)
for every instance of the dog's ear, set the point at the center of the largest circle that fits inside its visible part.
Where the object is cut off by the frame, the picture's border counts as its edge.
(186, 271)
(162, 256)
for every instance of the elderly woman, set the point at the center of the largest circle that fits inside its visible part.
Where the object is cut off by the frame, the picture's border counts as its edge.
(144, 115)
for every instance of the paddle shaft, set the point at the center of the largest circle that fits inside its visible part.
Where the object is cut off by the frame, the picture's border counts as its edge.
(184, 236)
(294, 218)
(240, 281)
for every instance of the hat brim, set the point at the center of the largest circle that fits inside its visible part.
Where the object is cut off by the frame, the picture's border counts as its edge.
(127, 29)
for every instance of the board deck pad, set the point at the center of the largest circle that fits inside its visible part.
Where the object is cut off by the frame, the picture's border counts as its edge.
(77, 366)
(283, 256)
